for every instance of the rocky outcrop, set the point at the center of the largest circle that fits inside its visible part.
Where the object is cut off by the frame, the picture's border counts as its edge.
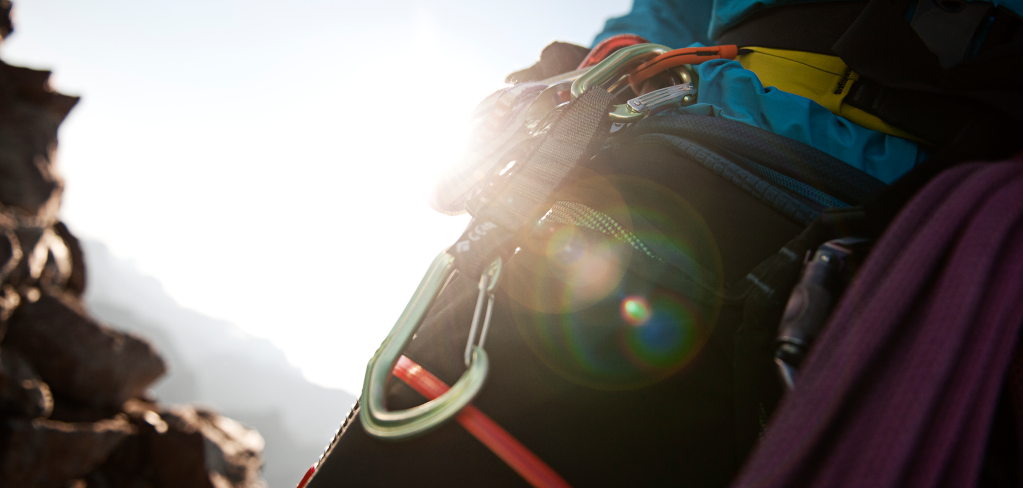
(74, 407)
(80, 359)
(182, 446)
(48, 453)
(22, 393)
(214, 362)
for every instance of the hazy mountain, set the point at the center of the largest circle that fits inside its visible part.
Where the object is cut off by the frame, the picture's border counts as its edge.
(216, 364)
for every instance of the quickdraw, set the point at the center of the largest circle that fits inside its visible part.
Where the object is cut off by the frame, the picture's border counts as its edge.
(401, 424)
(637, 60)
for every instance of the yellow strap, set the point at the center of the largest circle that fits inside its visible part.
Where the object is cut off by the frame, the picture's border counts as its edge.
(819, 77)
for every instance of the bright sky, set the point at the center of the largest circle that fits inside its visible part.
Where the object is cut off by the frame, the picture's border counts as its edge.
(269, 161)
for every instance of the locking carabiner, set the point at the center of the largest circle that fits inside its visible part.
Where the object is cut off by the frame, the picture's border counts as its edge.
(401, 424)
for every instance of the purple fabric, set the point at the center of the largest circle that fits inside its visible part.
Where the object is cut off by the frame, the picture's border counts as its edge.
(901, 388)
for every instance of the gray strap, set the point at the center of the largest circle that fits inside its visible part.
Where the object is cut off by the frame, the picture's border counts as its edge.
(573, 138)
(584, 124)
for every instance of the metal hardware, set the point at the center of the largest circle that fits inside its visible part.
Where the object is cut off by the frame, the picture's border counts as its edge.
(823, 279)
(664, 98)
(684, 73)
(488, 280)
(614, 67)
(401, 424)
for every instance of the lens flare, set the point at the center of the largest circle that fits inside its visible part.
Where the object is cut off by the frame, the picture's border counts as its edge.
(636, 336)
(620, 295)
(668, 337)
(635, 310)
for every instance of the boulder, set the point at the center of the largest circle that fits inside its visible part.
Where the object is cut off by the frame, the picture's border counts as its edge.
(22, 393)
(198, 448)
(78, 358)
(45, 453)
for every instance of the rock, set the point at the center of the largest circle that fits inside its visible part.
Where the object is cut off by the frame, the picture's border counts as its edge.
(22, 393)
(76, 280)
(128, 466)
(6, 27)
(197, 448)
(66, 410)
(78, 358)
(46, 453)
(32, 112)
(98, 428)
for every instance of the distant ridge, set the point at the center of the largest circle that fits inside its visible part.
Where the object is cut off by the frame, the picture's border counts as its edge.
(214, 363)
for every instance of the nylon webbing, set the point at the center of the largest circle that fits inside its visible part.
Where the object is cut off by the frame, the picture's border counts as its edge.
(578, 132)
(571, 138)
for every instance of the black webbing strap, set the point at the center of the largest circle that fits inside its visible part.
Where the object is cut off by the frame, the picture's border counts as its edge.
(904, 83)
(809, 27)
(574, 137)
(935, 118)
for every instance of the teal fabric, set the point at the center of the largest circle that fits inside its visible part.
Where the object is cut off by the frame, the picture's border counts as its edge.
(671, 23)
(728, 90)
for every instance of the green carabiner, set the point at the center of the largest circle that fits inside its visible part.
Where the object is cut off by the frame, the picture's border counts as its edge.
(401, 424)
(615, 66)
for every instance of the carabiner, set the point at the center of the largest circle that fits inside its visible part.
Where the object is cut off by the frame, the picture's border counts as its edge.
(645, 61)
(401, 424)
(617, 65)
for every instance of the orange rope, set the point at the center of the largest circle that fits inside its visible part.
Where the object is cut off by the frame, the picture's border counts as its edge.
(678, 57)
(483, 428)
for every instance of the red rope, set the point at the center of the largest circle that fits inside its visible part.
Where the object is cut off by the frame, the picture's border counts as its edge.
(483, 428)
(308, 474)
